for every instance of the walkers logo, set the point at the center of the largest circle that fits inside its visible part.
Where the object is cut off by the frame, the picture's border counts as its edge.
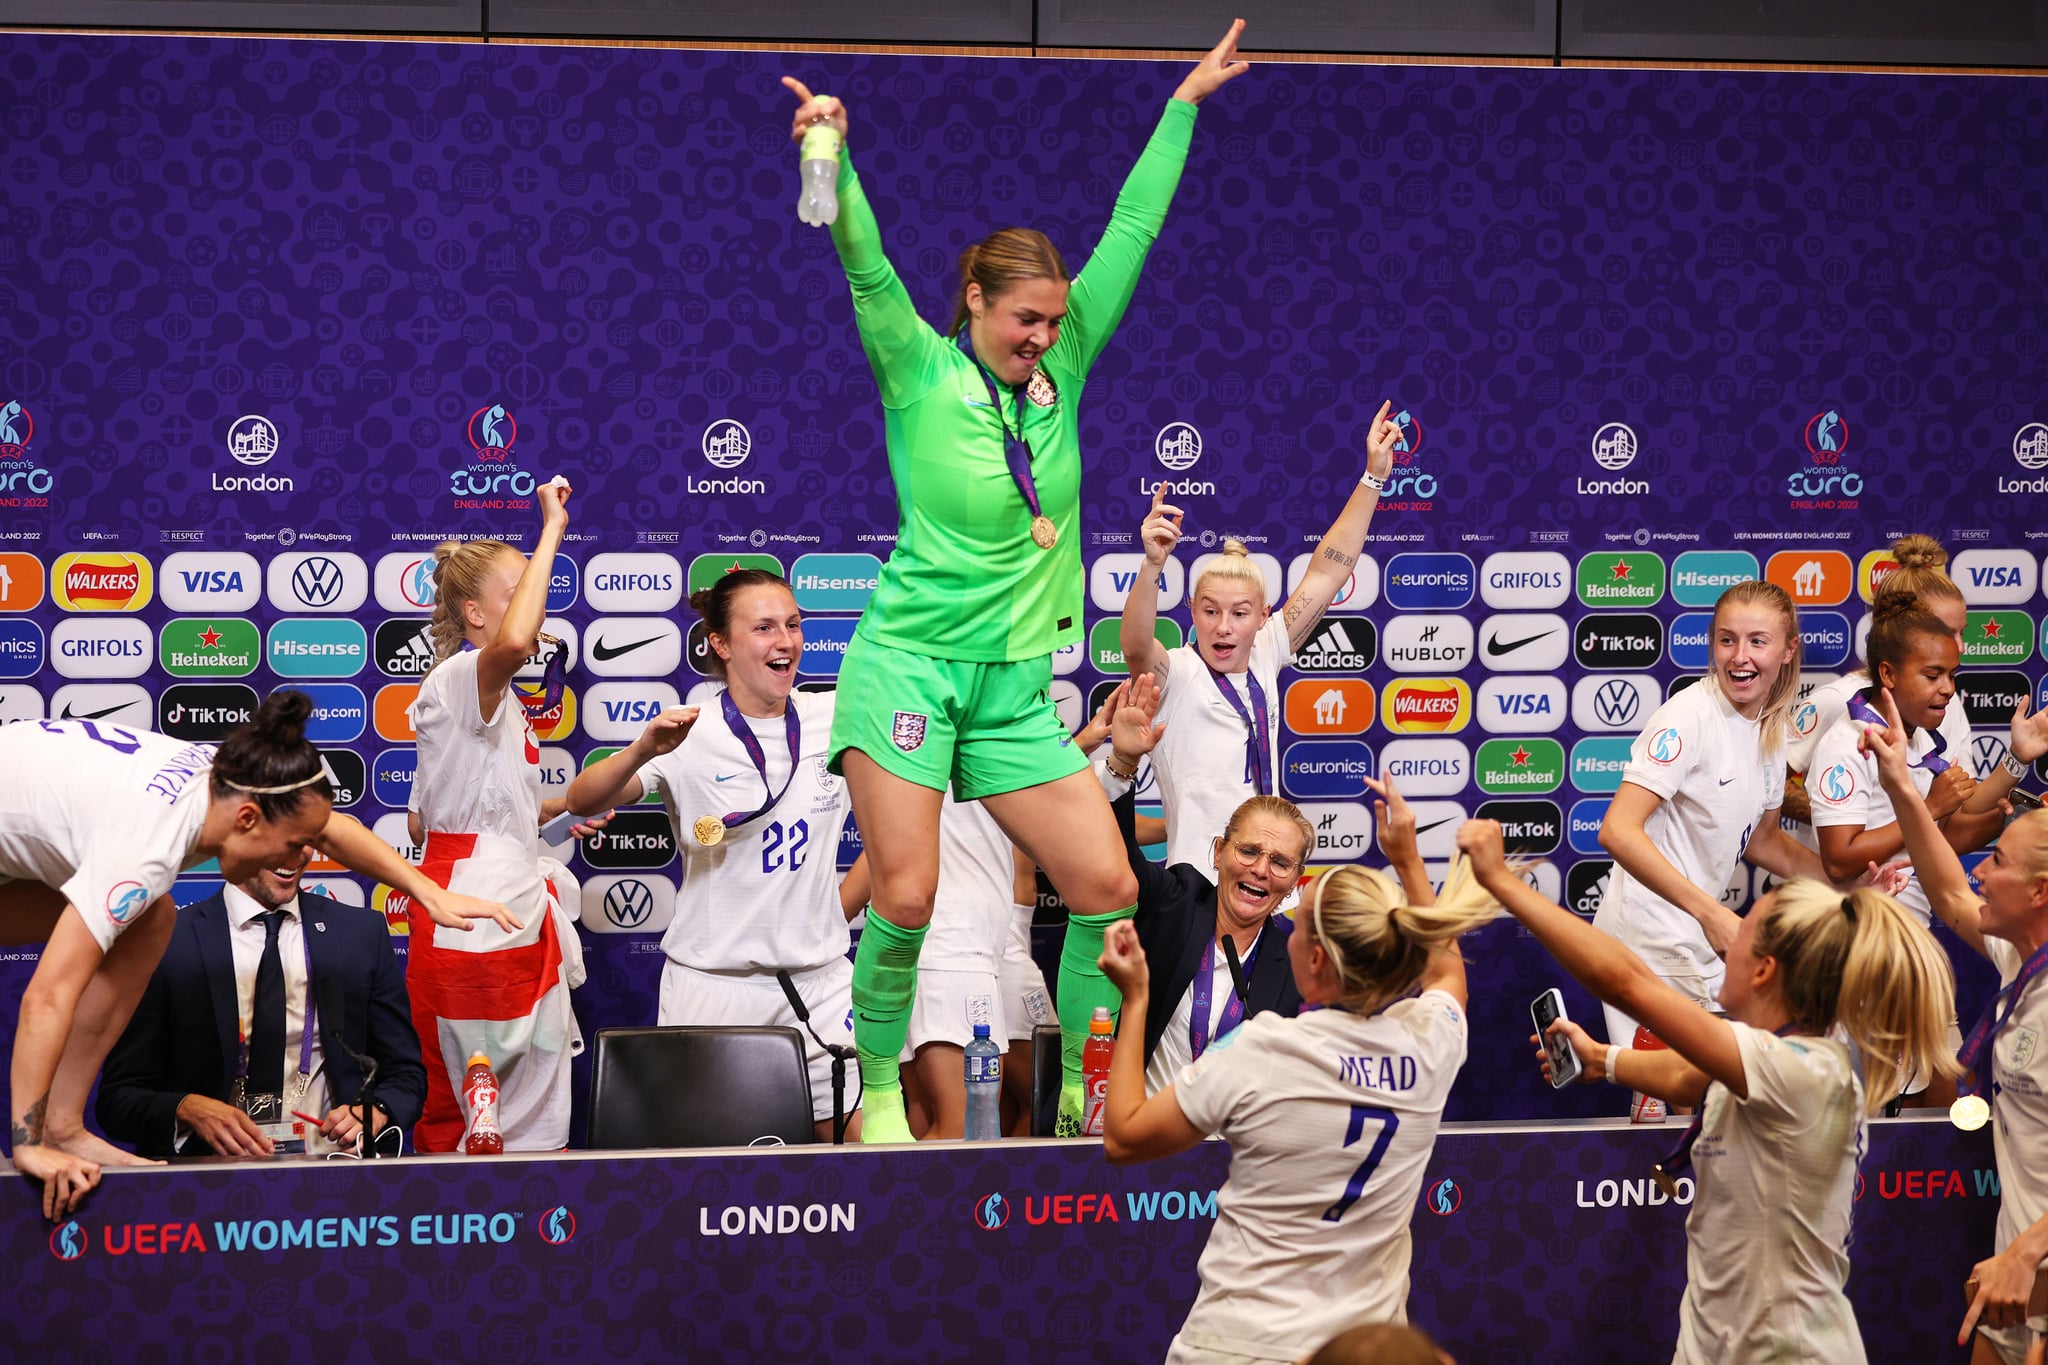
(490, 481)
(114, 581)
(1520, 765)
(1519, 705)
(1531, 829)
(204, 712)
(1524, 642)
(825, 643)
(1614, 449)
(1425, 767)
(1334, 706)
(1177, 446)
(1699, 577)
(299, 581)
(705, 571)
(727, 444)
(1331, 768)
(340, 712)
(1614, 701)
(208, 647)
(1997, 637)
(1995, 578)
(1621, 578)
(314, 648)
(200, 581)
(404, 649)
(1427, 644)
(1414, 706)
(1814, 578)
(1582, 827)
(1518, 580)
(1597, 764)
(1339, 645)
(635, 840)
(1622, 640)
(1692, 640)
(557, 722)
(101, 649)
(1430, 582)
(1990, 698)
(634, 647)
(836, 582)
(1105, 645)
(1871, 572)
(1825, 484)
(1824, 639)
(21, 649)
(405, 582)
(114, 703)
(621, 710)
(21, 580)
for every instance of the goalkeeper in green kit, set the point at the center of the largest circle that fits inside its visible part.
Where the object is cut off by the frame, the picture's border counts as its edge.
(947, 677)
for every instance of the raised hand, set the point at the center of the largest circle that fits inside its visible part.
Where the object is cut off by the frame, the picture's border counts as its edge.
(1123, 958)
(2029, 733)
(1380, 442)
(1131, 731)
(1090, 737)
(668, 729)
(1592, 1055)
(813, 109)
(1213, 71)
(553, 497)
(1888, 745)
(1161, 531)
(1396, 819)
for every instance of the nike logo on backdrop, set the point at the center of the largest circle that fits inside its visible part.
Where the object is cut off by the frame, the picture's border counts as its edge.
(602, 652)
(1439, 824)
(1494, 648)
(70, 714)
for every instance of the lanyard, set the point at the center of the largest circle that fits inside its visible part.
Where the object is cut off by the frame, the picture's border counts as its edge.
(1975, 1048)
(744, 733)
(1258, 751)
(1233, 1008)
(1016, 450)
(554, 676)
(1863, 713)
(307, 1034)
(1667, 1171)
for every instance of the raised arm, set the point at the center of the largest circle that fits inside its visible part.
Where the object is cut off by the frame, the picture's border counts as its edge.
(1934, 862)
(1143, 653)
(348, 842)
(1337, 556)
(519, 633)
(614, 780)
(906, 354)
(1135, 1128)
(1623, 835)
(1605, 966)
(1397, 841)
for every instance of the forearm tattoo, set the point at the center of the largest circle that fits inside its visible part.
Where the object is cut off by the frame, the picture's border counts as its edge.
(1337, 556)
(28, 1130)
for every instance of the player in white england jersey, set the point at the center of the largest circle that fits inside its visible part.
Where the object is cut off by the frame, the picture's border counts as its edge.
(1330, 1116)
(1773, 1149)
(757, 817)
(2007, 924)
(476, 812)
(1700, 794)
(96, 823)
(1220, 699)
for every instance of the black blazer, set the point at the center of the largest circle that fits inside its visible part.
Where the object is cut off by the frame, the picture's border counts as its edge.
(183, 1038)
(1176, 922)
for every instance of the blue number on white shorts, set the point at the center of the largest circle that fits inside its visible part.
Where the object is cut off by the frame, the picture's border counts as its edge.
(774, 855)
(1356, 1185)
(113, 736)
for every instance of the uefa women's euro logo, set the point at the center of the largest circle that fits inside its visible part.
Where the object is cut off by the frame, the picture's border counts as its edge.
(492, 430)
(491, 481)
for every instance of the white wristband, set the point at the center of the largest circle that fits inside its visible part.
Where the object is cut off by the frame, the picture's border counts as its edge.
(1373, 481)
(2012, 765)
(1613, 1050)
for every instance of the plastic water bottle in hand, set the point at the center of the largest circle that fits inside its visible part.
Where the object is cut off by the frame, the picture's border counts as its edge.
(984, 1088)
(818, 205)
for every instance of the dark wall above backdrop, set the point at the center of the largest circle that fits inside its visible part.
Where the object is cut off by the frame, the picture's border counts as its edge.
(2007, 33)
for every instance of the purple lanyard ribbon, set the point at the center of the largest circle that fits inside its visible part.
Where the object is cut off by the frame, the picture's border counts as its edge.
(1233, 1008)
(1258, 750)
(744, 733)
(1016, 450)
(1976, 1047)
(1680, 1160)
(1863, 713)
(307, 1033)
(554, 676)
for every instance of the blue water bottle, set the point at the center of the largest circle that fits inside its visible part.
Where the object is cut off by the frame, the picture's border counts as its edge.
(984, 1088)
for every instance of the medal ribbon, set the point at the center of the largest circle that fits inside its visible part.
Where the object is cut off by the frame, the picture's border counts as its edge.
(554, 675)
(744, 733)
(1233, 1008)
(1680, 1160)
(1016, 450)
(1976, 1048)
(1258, 749)
(1863, 713)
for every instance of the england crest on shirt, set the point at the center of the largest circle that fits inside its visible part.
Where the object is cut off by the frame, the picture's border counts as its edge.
(1039, 389)
(908, 731)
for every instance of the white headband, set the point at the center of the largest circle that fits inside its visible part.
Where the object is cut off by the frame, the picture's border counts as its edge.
(326, 773)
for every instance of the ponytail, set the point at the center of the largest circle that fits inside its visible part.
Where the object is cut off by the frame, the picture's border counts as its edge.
(267, 758)
(460, 571)
(1863, 963)
(1377, 942)
(1896, 618)
(1233, 562)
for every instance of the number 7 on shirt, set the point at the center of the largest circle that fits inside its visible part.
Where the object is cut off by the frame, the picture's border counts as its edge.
(1356, 1185)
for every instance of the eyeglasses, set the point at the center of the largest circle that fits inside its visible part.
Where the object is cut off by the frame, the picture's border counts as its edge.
(1280, 863)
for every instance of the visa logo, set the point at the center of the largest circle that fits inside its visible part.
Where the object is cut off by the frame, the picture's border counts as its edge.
(1995, 576)
(1525, 704)
(1123, 582)
(211, 580)
(631, 712)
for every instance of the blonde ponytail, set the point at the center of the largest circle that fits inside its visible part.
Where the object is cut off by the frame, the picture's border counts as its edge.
(1377, 942)
(460, 570)
(1862, 962)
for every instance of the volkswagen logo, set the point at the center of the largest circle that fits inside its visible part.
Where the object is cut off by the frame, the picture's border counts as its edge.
(317, 581)
(628, 903)
(1617, 702)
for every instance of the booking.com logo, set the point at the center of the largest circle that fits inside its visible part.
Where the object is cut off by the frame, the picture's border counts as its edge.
(992, 1213)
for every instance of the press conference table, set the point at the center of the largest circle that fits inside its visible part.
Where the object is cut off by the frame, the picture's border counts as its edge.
(1531, 1241)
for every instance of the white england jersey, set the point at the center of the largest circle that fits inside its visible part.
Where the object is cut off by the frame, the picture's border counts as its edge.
(2019, 1105)
(1767, 1254)
(1200, 760)
(1842, 785)
(475, 776)
(977, 873)
(767, 896)
(1705, 760)
(1812, 718)
(1331, 1119)
(107, 815)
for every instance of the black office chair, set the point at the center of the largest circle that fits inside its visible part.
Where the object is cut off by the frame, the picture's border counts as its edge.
(1045, 1079)
(699, 1087)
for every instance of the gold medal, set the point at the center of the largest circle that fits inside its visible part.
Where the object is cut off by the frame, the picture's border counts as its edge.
(1044, 534)
(709, 830)
(1969, 1113)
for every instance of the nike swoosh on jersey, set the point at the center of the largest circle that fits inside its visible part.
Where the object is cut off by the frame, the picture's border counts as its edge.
(1494, 648)
(601, 651)
(971, 401)
(1726, 780)
(70, 714)
(727, 778)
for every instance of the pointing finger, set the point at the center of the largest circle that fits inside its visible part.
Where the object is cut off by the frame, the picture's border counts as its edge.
(798, 88)
(1385, 408)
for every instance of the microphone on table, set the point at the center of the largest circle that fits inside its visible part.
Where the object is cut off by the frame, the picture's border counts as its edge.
(838, 1052)
(1237, 981)
(366, 1098)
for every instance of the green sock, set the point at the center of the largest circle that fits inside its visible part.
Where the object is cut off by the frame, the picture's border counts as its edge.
(884, 983)
(1082, 987)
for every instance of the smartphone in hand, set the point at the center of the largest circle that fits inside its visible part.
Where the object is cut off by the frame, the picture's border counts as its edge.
(1565, 1066)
